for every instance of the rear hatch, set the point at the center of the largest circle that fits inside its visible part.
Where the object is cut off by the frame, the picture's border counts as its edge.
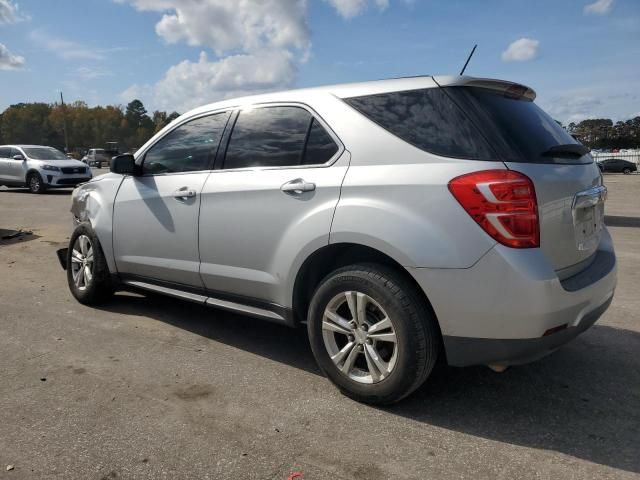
(567, 181)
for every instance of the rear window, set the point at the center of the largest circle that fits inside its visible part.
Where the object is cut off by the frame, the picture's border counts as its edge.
(468, 122)
(427, 119)
(517, 128)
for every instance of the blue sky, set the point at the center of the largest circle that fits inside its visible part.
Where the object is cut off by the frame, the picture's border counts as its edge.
(581, 56)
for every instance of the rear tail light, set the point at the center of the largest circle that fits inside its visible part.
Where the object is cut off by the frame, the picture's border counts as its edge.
(503, 203)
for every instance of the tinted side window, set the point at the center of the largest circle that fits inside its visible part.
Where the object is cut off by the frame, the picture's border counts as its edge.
(320, 146)
(188, 148)
(268, 137)
(427, 119)
(5, 152)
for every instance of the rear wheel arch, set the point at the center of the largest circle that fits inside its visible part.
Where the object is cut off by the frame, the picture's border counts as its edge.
(334, 256)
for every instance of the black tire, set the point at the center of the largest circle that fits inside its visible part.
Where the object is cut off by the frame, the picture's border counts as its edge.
(35, 183)
(100, 287)
(626, 170)
(416, 331)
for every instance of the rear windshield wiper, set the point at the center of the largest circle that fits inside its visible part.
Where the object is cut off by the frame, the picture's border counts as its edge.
(567, 150)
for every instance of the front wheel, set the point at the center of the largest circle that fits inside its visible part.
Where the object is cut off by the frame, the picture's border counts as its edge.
(35, 183)
(372, 334)
(626, 171)
(87, 271)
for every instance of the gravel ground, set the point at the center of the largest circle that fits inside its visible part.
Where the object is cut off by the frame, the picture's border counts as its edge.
(149, 387)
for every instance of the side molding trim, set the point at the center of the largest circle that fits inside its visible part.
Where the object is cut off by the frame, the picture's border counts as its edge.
(209, 301)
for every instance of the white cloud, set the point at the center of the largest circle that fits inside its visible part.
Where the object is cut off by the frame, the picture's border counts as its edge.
(259, 44)
(352, 8)
(65, 49)
(9, 61)
(226, 26)
(190, 84)
(597, 100)
(91, 73)
(599, 7)
(262, 40)
(521, 50)
(10, 13)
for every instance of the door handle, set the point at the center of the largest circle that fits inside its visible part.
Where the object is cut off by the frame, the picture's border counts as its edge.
(183, 193)
(298, 186)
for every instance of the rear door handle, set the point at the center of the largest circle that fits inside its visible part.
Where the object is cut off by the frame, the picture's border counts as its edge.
(183, 193)
(298, 186)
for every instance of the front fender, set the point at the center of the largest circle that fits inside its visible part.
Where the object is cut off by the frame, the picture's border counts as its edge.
(92, 203)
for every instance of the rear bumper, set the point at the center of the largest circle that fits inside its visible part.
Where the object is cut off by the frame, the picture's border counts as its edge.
(499, 310)
(463, 351)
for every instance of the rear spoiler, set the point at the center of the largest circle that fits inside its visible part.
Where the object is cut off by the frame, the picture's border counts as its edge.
(510, 89)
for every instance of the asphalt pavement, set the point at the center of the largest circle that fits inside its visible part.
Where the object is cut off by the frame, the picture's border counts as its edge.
(150, 387)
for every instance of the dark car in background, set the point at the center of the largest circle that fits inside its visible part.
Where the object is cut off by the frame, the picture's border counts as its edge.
(617, 165)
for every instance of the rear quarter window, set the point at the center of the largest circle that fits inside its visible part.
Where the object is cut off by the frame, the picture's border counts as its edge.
(427, 119)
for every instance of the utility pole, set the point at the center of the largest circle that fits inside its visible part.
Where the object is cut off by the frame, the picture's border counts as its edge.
(64, 124)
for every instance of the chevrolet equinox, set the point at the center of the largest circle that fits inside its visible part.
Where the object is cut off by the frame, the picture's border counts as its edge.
(402, 220)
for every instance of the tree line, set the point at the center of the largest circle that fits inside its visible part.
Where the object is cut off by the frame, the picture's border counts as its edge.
(86, 127)
(604, 133)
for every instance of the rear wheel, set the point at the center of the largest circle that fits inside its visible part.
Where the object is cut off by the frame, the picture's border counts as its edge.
(372, 334)
(35, 183)
(87, 271)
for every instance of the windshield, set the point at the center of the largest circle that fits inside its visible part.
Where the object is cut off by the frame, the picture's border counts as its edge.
(44, 153)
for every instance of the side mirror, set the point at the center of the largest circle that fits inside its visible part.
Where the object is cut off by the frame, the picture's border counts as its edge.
(124, 165)
(19, 157)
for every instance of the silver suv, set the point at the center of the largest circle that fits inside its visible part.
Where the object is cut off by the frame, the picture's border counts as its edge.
(39, 167)
(402, 220)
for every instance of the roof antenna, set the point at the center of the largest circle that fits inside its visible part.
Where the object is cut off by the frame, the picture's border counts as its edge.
(468, 58)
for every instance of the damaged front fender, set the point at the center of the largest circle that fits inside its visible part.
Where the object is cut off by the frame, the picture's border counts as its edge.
(92, 203)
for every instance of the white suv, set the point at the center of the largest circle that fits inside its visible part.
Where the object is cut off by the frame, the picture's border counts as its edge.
(39, 168)
(401, 220)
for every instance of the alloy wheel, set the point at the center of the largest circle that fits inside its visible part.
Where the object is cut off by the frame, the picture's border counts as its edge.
(82, 262)
(34, 183)
(359, 337)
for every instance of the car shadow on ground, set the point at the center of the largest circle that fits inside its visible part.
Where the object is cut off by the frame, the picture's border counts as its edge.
(621, 221)
(581, 401)
(51, 191)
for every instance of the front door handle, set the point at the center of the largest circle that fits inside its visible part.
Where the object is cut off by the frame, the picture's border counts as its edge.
(183, 193)
(298, 186)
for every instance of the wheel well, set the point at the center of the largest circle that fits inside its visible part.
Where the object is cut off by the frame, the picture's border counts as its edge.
(330, 258)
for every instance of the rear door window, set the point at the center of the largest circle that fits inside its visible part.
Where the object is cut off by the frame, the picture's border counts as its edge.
(268, 137)
(320, 146)
(428, 119)
(278, 136)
